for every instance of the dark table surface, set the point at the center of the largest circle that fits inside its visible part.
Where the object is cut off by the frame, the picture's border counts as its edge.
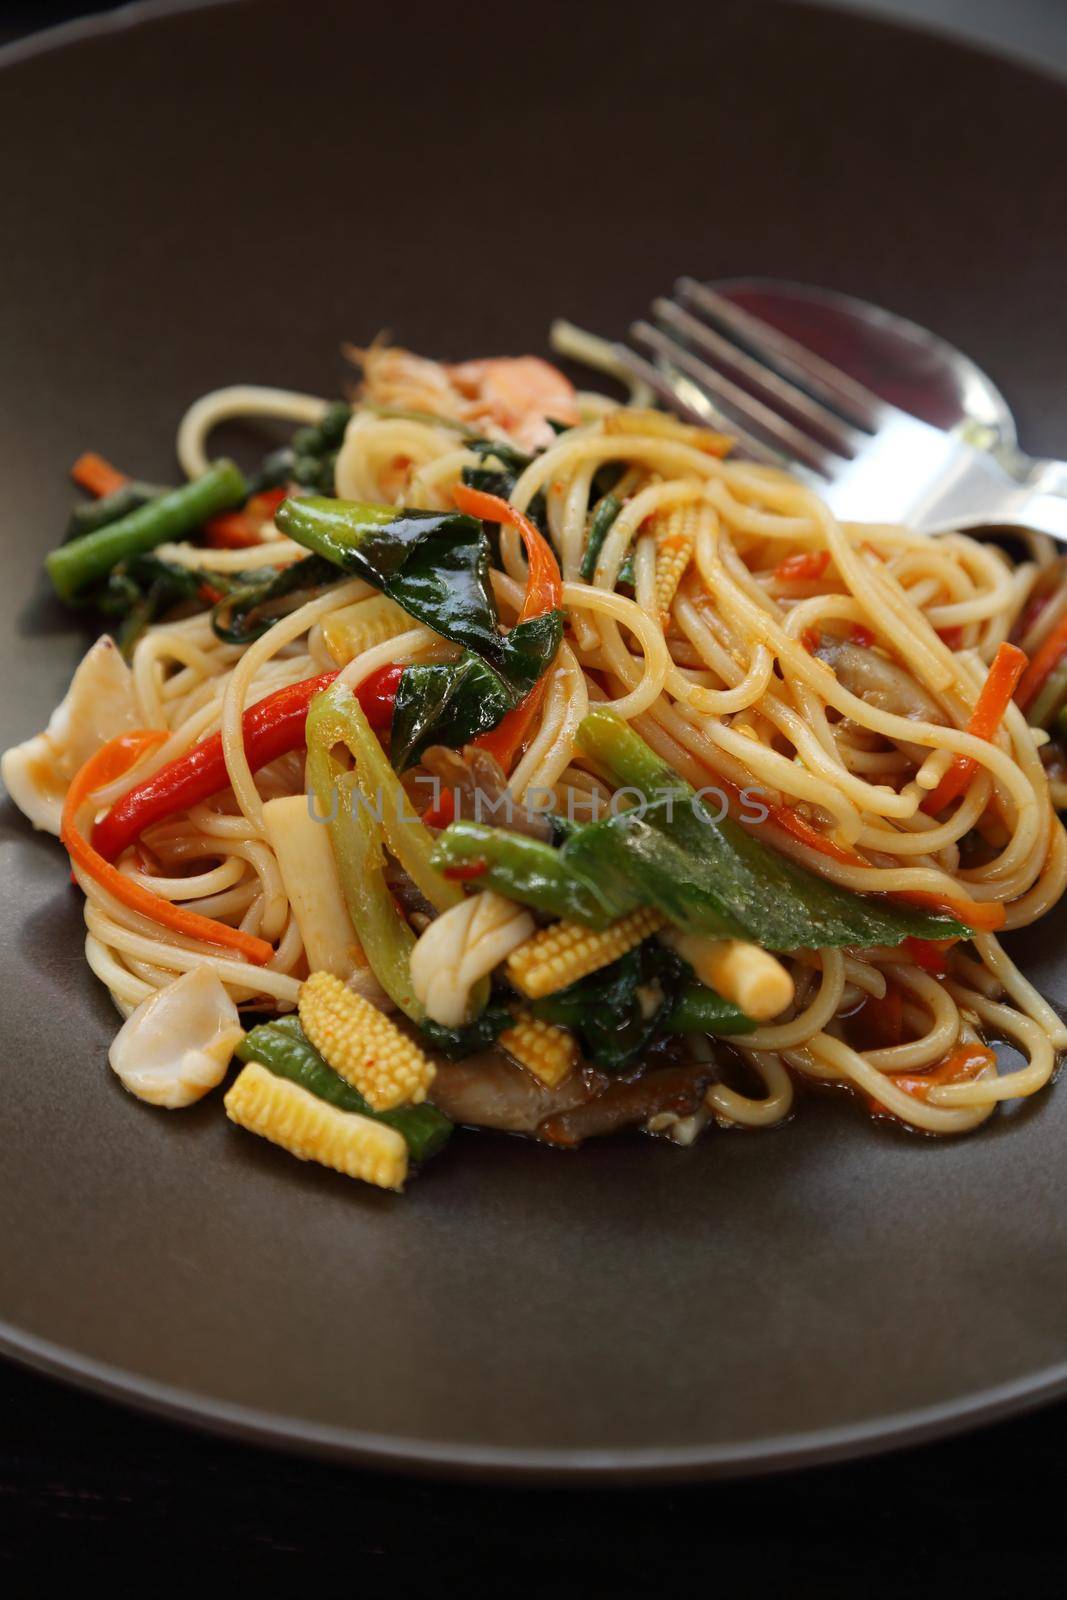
(86, 1482)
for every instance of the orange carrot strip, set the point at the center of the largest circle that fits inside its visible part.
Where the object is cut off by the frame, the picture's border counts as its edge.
(1046, 658)
(97, 476)
(1009, 665)
(111, 761)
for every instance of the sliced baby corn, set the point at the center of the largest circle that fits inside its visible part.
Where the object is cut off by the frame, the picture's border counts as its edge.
(548, 1052)
(675, 534)
(358, 1042)
(362, 625)
(561, 954)
(312, 1130)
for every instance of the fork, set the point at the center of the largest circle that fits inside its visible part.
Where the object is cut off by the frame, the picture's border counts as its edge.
(714, 363)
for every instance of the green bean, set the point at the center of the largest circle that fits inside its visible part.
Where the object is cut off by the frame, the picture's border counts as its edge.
(74, 566)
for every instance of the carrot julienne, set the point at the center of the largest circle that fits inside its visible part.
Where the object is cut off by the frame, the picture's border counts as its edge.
(97, 476)
(1046, 659)
(111, 761)
(1009, 666)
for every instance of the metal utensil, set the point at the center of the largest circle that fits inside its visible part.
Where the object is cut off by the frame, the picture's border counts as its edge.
(716, 363)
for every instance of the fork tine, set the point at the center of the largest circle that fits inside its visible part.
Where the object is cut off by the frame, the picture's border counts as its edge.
(847, 441)
(787, 437)
(696, 408)
(827, 382)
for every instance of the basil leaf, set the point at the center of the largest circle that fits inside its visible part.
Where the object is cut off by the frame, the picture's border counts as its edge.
(452, 702)
(717, 878)
(245, 613)
(605, 1009)
(433, 564)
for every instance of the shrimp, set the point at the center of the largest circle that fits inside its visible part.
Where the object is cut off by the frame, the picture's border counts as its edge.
(511, 396)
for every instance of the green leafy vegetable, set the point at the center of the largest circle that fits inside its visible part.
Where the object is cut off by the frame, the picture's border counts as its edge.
(452, 702)
(599, 528)
(253, 601)
(707, 877)
(143, 588)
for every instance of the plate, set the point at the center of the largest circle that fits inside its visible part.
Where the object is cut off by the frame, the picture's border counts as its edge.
(209, 195)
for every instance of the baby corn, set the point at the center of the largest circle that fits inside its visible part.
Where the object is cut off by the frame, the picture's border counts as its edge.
(358, 1042)
(675, 535)
(362, 625)
(312, 1130)
(561, 954)
(548, 1052)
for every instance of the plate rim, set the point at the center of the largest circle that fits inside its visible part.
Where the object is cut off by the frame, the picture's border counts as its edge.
(530, 1465)
(536, 1465)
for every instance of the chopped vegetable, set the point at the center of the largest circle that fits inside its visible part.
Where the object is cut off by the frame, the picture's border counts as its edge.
(1046, 658)
(675, 535)
(959, 1066)
(699, 1009)
(542, 602)
(255, 600)
(600, 526)
(338, 717)
(380, 926)
(1009, 665)
(806, 566)
(127, 497)
(239, 530)
(283, 1047)
(550, 1053)
(560, 955)
(112, 761)
(313, 1130)
(705, 876)
(271, 727)
(73, 567)
(362, 1045)
(620, 1011)
(97, 476)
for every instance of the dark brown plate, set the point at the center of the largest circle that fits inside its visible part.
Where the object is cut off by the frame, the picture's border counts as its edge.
(220, 194)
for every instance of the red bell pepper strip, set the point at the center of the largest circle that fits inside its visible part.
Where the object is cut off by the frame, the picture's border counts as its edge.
(272, 727)
(806, 566)
(237, 530)
(1009, 665)
(109, 763)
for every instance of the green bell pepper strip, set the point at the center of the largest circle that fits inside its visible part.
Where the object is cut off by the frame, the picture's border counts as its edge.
(338, 715)
(284, 1049)
(524, 869)
(357, 847)
(699, 1009)
(81, 562)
